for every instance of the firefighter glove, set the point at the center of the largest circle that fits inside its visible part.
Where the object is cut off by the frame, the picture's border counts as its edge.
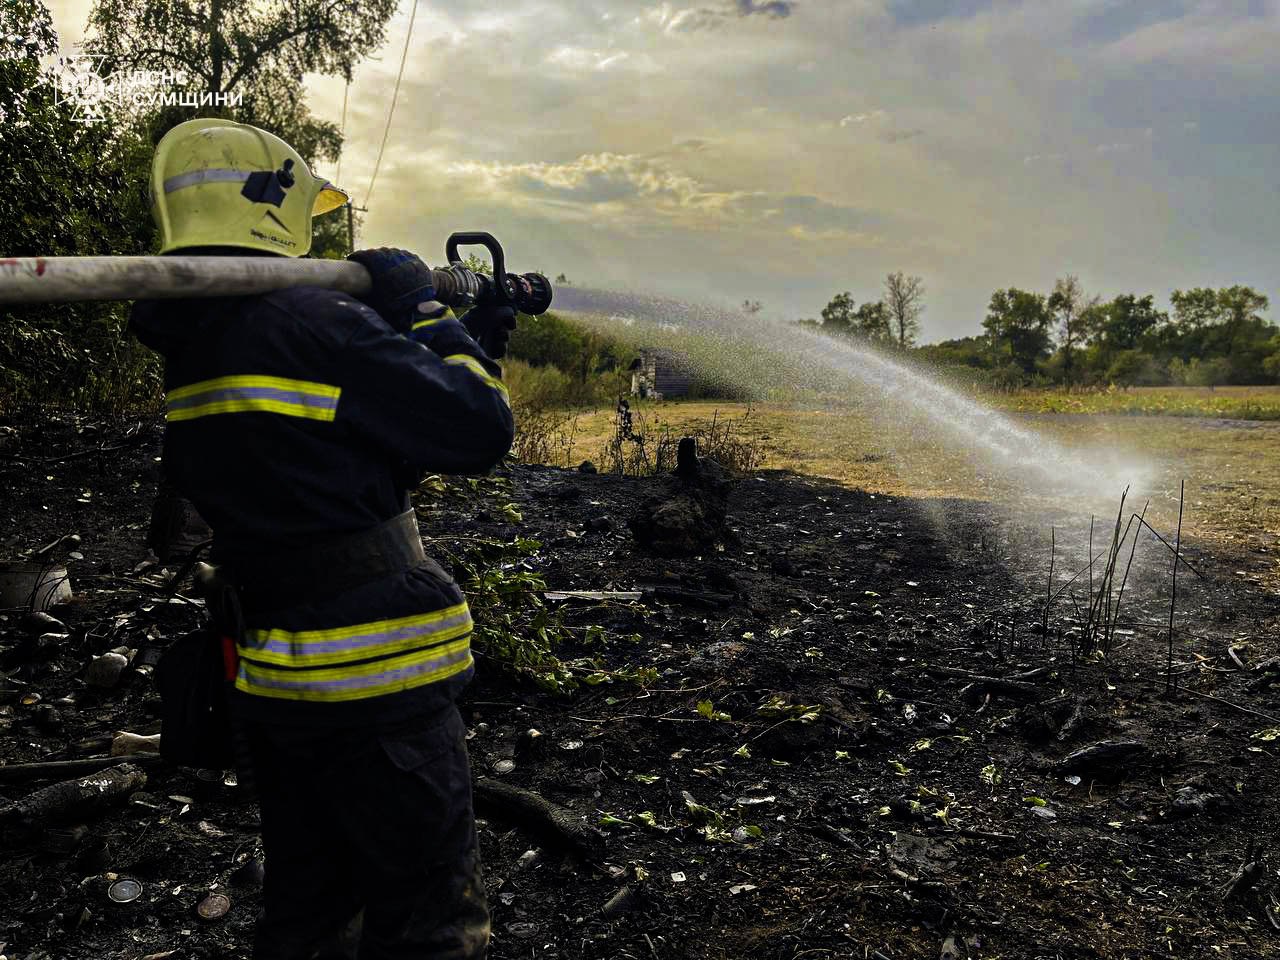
(401, 281)
(490, 325)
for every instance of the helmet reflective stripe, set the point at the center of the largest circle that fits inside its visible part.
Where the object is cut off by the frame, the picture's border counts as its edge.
(205, 176)
(330, 197)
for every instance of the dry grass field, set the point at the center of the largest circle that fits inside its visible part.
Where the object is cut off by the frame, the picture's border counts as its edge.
(1231, 467)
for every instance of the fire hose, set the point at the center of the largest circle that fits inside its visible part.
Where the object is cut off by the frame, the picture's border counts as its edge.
(73, 279)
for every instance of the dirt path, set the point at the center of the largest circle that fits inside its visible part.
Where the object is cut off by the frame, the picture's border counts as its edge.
(857, 739)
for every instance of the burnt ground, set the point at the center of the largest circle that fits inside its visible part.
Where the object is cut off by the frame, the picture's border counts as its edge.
(814, 766)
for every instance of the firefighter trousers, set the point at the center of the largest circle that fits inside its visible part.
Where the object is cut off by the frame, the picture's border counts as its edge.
(368, 830)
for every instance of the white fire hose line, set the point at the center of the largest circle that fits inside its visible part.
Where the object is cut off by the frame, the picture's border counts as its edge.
(70, 279)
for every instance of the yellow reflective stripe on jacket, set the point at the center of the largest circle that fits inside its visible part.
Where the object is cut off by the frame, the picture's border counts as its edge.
(445, 315)
(313, 648)
(358, 661)
(253, 394)
(476, 367)
(376, 679)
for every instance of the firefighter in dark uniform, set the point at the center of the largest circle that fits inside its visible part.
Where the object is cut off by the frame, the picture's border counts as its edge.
(296, 423)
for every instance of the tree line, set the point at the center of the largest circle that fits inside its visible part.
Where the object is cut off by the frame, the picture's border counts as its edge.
(1067, 337)
(892, 320)
(77, 189)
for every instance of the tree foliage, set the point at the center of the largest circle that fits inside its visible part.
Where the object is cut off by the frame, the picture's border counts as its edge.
(1227, 322)
(1018, 324)
(1215, 336)
(1070, 308)
(72, 189)
(869, 322)
(838, 315)
(578, 351)
(258, 50)
(872, 322)
(1123, 323)
(81, 188)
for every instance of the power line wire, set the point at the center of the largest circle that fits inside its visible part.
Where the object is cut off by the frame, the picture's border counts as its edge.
(337, 177)
(404, 56)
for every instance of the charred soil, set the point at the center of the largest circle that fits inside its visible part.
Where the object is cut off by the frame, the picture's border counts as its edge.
(856, 731)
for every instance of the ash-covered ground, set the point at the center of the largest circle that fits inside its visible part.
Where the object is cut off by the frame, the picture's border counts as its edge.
(831, 725)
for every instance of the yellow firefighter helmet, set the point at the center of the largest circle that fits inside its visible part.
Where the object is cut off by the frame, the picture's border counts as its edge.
(218, 183)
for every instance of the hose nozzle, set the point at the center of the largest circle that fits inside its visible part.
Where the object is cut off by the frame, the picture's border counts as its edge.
(456, 286)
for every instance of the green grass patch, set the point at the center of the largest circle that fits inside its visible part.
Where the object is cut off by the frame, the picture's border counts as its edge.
(1228, 403)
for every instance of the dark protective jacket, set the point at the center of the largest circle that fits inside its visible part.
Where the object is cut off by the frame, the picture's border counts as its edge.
(300, 416)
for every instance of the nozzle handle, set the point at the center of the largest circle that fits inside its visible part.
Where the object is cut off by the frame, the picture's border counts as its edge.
(502, 285)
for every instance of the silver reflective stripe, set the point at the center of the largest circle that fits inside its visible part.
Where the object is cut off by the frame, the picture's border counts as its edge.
(217, 175)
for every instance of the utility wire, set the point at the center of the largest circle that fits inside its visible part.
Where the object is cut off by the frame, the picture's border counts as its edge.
(404, 56)
(337, 177)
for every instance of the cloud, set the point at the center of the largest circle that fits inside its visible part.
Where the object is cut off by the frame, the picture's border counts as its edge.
(862, 117)
(898, 136)
(625, 188)
(1217, 33)
(673, 135)
(690, 144)
(831, 235)
(807, 211)
(696, 18)
(690, 19)
(777, 9)
(646, 189)
(914, 13)
(581, 58)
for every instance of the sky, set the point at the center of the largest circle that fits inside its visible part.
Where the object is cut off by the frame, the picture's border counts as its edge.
(780, 151)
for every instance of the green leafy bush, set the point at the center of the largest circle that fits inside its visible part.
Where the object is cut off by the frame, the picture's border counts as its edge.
(73, 189)
(555, 361)
(514, 627)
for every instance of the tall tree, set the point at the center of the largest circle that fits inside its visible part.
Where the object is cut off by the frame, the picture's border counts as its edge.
(1226, 322)
(71, 189)
(1194, 309)
(1070, 307)
(904, 299)
(1271, 362)
(838, 315)
(26, 35)
(1234, 309)
(872, 322)
(1018, 324)
(1125, 321)
(256, 50)
(1241, 309)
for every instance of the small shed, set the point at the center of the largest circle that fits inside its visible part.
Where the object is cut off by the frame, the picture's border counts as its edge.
(660, 374)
